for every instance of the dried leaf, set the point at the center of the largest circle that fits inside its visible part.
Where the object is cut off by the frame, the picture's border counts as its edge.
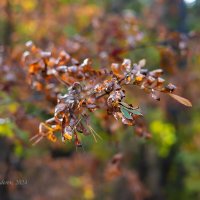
(181, 100)
(142, 63)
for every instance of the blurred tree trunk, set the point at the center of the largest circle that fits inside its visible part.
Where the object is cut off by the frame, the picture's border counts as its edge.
(8, 24)
(7, 149)
(175, 15)
(6, 167)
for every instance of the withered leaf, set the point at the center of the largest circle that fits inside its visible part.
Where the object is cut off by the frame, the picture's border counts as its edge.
(60, 108)
(155, 95)
(142, 63)
(181, 100)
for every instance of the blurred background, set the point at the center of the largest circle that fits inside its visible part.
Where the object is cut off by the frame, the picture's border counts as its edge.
(121, 165)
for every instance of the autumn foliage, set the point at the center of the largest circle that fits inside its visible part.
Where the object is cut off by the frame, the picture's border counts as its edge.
(89, 89)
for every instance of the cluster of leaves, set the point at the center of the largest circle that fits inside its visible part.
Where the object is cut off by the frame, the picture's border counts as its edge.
(89, 89)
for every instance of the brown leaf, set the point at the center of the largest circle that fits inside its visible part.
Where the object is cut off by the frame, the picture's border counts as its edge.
(181, 100)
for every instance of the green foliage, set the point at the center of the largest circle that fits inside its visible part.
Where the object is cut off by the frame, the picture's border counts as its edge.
(164, 135)
(151, 53)
(6, 128)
